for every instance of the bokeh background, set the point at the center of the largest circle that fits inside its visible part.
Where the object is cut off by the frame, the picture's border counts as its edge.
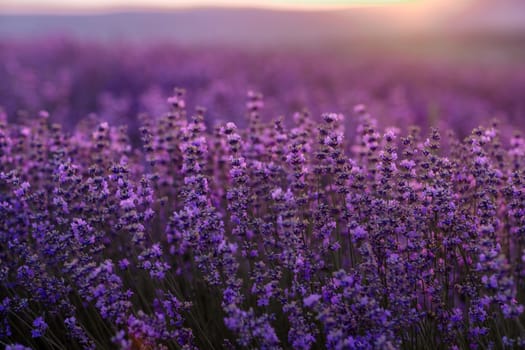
(448, 63)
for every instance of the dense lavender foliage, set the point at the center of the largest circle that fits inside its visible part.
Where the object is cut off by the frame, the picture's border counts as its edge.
(312, 231)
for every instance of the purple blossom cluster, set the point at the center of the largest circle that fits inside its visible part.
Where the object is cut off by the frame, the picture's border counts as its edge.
(278, 235)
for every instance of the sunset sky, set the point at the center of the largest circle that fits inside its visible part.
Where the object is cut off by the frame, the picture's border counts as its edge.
(101, 5)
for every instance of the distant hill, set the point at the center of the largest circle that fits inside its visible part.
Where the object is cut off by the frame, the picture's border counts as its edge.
(264, 27)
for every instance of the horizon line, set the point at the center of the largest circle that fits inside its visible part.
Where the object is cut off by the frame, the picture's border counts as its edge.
(100, 10)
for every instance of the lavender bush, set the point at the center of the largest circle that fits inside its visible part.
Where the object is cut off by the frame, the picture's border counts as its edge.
(269, 236)
(134, 219)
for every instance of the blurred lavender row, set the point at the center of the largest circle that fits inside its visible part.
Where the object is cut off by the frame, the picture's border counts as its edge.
(72, 79)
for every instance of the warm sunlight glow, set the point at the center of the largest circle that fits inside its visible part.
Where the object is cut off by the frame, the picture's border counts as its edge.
(420, 13)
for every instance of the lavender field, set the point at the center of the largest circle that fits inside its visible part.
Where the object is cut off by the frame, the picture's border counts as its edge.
(170, 196)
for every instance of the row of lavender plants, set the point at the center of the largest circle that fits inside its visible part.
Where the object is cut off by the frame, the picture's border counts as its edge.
(266, 237)
(71, 78)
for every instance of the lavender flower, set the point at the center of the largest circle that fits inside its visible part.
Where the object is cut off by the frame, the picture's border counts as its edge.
(39, 327)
